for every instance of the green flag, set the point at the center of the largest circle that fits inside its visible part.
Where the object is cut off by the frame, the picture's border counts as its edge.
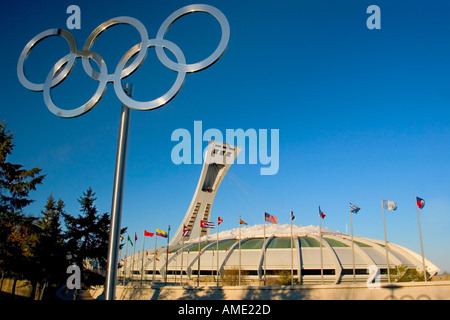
(129, 239)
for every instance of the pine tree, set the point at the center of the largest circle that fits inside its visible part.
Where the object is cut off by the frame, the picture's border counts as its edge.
(18, 234)
(88, 233)
(51, 250)
(15, 181)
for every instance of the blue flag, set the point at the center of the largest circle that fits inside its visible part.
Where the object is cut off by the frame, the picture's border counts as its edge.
(353, 208)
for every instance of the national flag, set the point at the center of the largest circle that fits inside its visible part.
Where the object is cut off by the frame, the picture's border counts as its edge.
(292, 216)
(148, 234)
(420, 202)
(321, 214)
(161, 233)
(241, 221)
(354, 208)
(389, 205)
(270, 218)
(129, 239)
(185, 231)
(206, 224)
(121, 238)
(219, 220)
(135, 236)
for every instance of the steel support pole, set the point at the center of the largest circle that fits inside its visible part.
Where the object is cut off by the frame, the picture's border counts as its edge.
(116, 208)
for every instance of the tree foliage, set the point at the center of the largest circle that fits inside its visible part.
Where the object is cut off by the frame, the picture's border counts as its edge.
(15, 181)
(88, 233)
(18, 234)
(40, 249)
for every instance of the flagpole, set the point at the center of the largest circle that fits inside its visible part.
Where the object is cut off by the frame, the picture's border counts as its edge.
(181, 268)
(292, 254)
(142, 266)
(217, 253)
(176, 267)
(125, 264)
(264, 245)
(421, 244)
(353, 247)
(134, 256)
(199, 255)
(320, 235)
(386, 243)
(154, 262)
(239, 278)
(167, 257)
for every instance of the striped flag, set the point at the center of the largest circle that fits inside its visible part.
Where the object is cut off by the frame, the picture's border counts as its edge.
(321, 214)
(242, 221)
(270, 218)
(353, 208)
(206, 224)
(185, 231)
(161, 233)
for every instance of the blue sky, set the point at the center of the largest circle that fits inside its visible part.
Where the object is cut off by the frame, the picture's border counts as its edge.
(362, 114)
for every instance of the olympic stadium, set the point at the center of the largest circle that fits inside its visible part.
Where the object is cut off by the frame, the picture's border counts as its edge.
(260, 254)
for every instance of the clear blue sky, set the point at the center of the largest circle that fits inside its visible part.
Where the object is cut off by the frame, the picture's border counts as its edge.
(362, 114)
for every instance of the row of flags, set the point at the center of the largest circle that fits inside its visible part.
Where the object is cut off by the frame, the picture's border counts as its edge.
(159, 233)
(387, 204)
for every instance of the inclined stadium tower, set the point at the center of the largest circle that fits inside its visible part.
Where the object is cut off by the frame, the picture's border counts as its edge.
(199, 257)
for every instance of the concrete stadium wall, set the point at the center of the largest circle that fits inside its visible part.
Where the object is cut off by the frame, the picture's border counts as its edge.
(433, 290)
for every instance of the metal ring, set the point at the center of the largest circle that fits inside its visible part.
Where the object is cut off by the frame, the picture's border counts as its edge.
(194, 67)
(103, 27)
(92, 101)
(27, 49)
(65, 65)
(165, 98)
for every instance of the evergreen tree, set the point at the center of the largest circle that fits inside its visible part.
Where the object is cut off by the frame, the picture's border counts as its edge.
(15, 181)
(18, 234)
(88, 233)
(51, 250)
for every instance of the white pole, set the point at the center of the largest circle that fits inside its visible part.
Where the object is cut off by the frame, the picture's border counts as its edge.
(182, 252)
(134, 257)
(142, 266)
(125, 264)
(321, 252)
(154, 261)
(264, 247)
(239, 273)
(217, 253)
(353, 247)
(421, 244)
(199, 255)
(386, 244)
(292, 254)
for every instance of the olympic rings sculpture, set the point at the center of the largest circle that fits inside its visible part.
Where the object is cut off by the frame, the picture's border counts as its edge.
(64, 66)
